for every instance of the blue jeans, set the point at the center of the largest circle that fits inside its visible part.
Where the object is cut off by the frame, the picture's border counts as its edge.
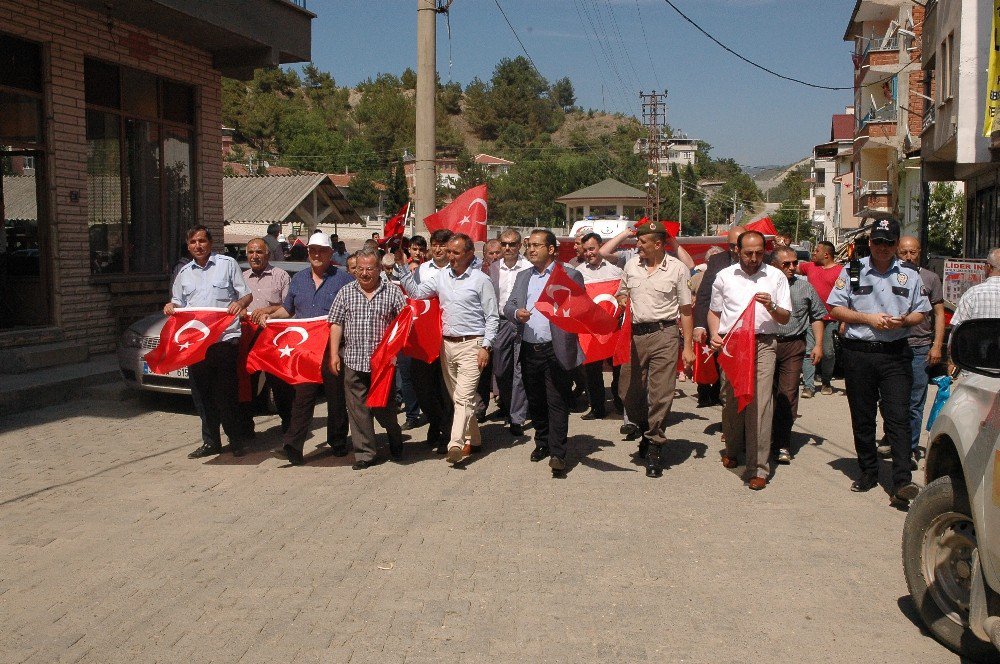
(918, 394)
(826, 364)
(405, 385)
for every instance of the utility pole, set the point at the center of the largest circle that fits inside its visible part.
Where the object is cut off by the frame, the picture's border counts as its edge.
(734, 206)
(706, 213)
(423, 168)
(654, 116)
(680, 209)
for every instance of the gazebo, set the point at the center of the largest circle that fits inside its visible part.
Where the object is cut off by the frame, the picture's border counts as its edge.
(608, 198)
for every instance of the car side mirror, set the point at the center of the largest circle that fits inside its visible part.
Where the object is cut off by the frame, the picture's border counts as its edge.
(975, 346)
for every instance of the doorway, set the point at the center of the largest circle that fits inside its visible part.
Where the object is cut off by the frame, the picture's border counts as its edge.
(24, 256)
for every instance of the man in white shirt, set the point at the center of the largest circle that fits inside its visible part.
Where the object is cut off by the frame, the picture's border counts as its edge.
(982, 300)
(506, 367)
(750, 281)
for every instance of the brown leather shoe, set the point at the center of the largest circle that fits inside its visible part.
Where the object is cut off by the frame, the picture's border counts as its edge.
(469, 449)
(729, 462)
(757, 483)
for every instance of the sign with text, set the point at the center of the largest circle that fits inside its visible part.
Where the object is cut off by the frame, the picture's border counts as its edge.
(990, 121)
(960, 275)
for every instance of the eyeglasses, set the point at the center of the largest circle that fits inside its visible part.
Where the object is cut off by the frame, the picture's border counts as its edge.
(789, 263)
(537, 245)
(509, 244)
(882, 242)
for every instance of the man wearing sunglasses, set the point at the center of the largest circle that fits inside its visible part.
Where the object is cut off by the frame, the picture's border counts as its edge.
(506, 367)
(880, 299)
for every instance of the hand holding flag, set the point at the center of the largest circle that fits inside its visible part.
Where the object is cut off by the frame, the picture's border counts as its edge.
(186, 337)
(569, 307)
(738, 356)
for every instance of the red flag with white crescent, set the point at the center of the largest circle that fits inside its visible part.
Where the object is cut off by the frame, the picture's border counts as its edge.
(186, 336)
(424, 340)
(569, 307)
(738, 356)
(466, 214)
(384, 360)
(601, 346)
(706, 372)
(395, 226)
(623, 340)
(292, 349)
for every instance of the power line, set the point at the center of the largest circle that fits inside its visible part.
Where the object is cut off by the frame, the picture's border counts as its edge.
(497, 2)
(649, 51)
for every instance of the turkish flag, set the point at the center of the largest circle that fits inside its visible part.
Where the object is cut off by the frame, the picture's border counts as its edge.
(186, 336)
(623, 340)
(395, 226)
(384, 360)
(569, 307)
(738, 356)
(765, 226)
(466, 214)
(601, 346)
(706, 372)
(292, 349)
(424, 339)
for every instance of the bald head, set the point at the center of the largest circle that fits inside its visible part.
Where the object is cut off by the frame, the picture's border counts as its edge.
(908, 249)
(994, 260)
(734, 235)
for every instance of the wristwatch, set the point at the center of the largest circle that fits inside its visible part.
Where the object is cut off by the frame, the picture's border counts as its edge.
(772, 307)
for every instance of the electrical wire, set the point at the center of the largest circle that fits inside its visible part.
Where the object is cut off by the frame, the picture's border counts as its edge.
(497, 2)
(649, 51)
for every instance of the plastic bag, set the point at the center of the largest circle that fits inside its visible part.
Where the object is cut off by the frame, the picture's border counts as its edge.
(943, 392)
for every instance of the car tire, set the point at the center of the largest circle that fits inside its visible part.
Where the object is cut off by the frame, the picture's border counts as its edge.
(939, 538)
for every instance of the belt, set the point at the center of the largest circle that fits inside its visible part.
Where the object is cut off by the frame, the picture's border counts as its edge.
(889, 347)
(649, 328)
(797, 337)
(545, 345)
(468, 337)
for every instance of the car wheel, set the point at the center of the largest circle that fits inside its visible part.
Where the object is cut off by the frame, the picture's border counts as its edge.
(939, 539)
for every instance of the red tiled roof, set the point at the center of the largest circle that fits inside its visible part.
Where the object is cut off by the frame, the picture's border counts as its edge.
(344, 180)
(490, 159)
(842, 127)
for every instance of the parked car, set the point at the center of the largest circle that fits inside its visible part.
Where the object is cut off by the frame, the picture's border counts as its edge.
(951, 537)
(144, 335)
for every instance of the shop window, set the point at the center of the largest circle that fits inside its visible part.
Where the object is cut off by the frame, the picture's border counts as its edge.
(140, 163)
(20, 92)
(20, 64)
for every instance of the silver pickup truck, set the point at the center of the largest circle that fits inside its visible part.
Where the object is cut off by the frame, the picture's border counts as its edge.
(951, 537)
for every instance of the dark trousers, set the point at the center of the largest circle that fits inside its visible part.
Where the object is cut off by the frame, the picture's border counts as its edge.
(356, 386)
(485, 388)
(433, 398)
(304, 403)
(284, 395)
(595, 386)
(507, 370)
(215, 393)
(788, 367)
(405, 385)
(871, 378)
(549, 388)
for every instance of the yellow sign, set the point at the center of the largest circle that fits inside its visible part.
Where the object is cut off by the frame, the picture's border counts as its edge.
(990, 122)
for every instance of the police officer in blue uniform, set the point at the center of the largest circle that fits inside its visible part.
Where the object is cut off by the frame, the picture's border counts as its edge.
(879, 299)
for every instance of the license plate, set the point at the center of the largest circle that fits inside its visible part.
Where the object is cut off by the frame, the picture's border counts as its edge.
(179, 373)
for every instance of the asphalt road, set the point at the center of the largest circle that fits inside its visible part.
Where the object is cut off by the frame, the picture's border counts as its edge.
(114, 547)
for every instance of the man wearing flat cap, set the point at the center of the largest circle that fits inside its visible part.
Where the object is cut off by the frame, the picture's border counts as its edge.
(880, 299)
(654, 285)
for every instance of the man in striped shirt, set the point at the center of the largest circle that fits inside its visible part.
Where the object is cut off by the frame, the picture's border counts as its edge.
(982, 300)
(360, 315)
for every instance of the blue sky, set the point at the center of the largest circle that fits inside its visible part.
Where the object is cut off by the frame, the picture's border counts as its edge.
(742, 112)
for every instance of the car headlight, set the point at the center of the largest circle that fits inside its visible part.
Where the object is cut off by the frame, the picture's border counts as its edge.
(131, 339)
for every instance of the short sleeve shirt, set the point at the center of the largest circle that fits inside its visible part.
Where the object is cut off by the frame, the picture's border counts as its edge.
(896, 292)
(269, 287)
(364, 321)
(218, 284)
(734, 289)
(656, 296)
(305, 300)
(822, 278)
(604, 271)
(807, 308)
(923, 334)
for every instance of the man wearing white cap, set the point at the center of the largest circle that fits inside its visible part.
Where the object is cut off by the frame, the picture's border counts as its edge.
(310, 294)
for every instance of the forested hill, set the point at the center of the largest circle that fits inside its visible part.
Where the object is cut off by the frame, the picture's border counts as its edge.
(307, 122)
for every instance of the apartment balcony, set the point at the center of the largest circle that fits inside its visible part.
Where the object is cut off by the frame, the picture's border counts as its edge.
(929, 116)
(241, 35)
(874, 194)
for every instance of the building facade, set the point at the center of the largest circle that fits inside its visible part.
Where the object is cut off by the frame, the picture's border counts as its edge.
(831, 181)
(118, 108)
(680, 151)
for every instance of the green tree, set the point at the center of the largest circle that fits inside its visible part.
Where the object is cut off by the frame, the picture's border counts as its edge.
(945, 212)
(396, 195)
(790, 218)
(563, 94)
(409, 79)
(362, 192)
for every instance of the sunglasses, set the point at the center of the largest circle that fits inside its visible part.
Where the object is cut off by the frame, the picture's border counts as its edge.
(882, 242)
(789, 263)
(509, 244)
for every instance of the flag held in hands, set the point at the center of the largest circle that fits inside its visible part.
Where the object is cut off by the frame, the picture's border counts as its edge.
(292, 349)
(466, 214)
(738, 356)
(384, 359)
(395, 226)
(424, 342)
(705, 370)
(186, 336)
(601, 346)
(569, 307)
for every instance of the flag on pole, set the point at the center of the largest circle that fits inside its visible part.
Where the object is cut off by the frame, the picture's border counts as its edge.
(424, 340)
(186, 336)
(706, 372)
(395, 226)
(738, 356)
(466, 214)
(623, 342)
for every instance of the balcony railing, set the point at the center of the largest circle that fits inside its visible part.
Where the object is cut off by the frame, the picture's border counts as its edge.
(298, 3)
(884, 114)
(865, 45)
(929, 114)
(875, 188)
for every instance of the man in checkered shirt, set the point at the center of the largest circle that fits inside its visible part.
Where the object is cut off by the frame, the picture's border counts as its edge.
(982, 300)
(360, 315)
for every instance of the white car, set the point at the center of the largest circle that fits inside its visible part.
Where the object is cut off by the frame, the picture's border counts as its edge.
(951, 537)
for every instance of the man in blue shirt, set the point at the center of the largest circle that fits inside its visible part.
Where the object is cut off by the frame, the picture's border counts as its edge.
(880, 299)
(310, 295)
(214, 280)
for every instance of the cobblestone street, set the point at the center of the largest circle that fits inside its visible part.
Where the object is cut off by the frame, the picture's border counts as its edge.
(114, 547)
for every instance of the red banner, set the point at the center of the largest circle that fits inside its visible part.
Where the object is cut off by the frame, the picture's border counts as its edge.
(384, 360)
(623, 340)
(186, 336)
(292, 349)
(601, 346)
(569, 307)
(395, 226)
(466, 214)
(738, 356)
(706, 371)
(424, 340)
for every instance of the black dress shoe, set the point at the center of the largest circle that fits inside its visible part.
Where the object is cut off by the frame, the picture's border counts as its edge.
(289, 454)
(632, 432)
(237, 449)
(496, 416)
(361, 465)
(557, 465)
(653, 470)
(866, 482)
(593, 415)
(516, 430)
(643, 448)
(339, 448)
(539, 453)
(396, 452)
(205, 450)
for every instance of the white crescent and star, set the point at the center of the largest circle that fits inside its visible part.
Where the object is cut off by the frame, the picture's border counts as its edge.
(287, 350)
(427, 307)
(607, 297)
(394, 333)
(193, 324)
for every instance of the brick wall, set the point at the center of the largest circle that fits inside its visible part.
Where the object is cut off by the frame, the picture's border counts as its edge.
(69, 34)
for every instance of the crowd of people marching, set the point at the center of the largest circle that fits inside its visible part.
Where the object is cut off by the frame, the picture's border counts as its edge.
(522, 329)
